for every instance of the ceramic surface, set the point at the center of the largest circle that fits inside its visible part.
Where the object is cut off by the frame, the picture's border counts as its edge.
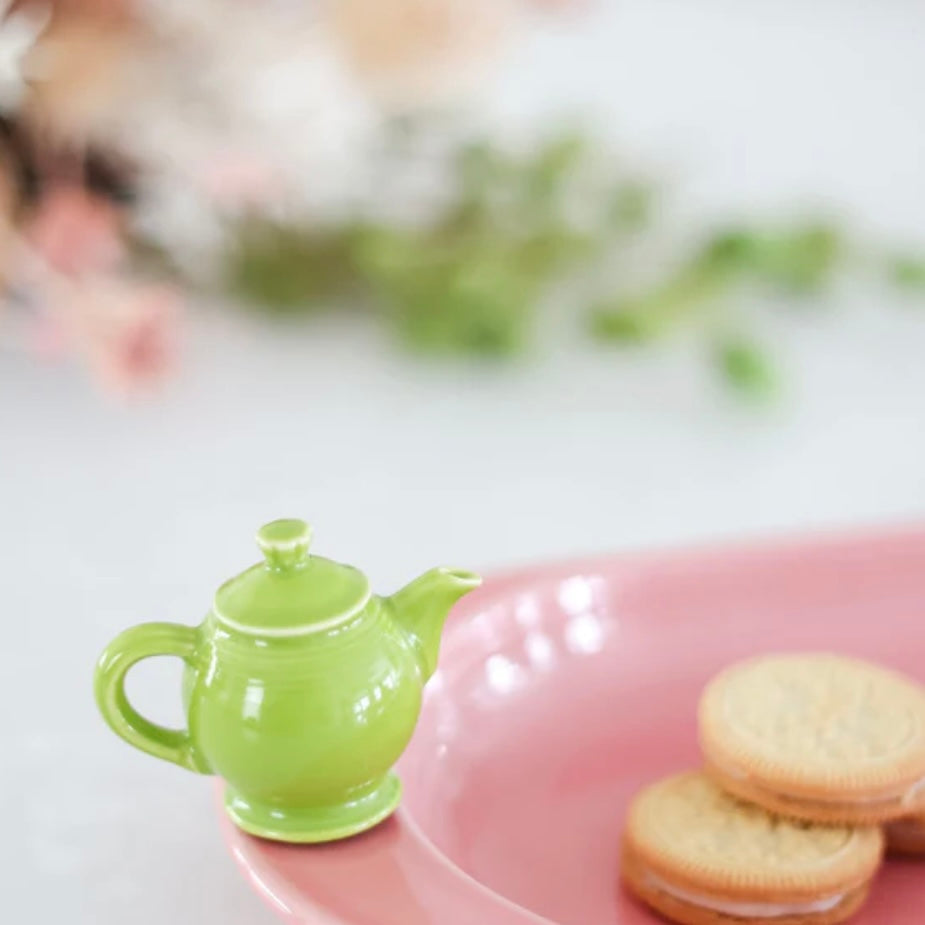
(301, 688)
(560, 692)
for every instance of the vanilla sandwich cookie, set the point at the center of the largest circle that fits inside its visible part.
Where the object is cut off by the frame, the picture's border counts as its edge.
(699, 856)
(818, 737)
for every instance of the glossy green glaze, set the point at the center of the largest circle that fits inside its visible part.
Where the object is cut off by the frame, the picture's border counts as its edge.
(301, 688)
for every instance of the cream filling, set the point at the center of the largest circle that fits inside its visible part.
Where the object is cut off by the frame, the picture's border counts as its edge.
(905, 799)
(744, 910)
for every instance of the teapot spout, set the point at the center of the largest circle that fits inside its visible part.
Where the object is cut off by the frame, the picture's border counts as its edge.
(421, 609)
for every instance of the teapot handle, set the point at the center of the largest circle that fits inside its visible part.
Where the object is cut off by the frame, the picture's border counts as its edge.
(135, 644)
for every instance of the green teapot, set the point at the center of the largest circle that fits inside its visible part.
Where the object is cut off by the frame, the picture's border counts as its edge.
(301, 688)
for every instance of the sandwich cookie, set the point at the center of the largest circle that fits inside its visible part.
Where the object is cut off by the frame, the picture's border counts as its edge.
(818, 737)
(699, 856)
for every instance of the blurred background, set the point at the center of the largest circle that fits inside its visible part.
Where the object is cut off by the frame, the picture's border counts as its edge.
(482, 282)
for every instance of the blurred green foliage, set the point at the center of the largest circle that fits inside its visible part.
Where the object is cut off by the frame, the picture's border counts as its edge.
(907, 272)
(746, 367)
(473, 280)
(287, 269)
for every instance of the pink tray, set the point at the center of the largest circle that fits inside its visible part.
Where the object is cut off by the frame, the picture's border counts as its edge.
(561, 690)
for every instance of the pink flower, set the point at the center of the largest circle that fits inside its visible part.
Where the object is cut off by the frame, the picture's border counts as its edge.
(75, 232)
(418, 52)
(126, 332)
(234, 178)
(47, 337)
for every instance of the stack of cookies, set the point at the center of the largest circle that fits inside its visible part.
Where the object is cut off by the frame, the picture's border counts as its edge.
(811, 764)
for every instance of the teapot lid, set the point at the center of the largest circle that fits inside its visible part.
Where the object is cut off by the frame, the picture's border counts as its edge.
(291, 592)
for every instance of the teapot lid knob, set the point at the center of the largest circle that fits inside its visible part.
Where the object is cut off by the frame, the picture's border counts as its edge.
(284, 543)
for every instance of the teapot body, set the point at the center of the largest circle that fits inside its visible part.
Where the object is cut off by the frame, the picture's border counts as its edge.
(305, 729)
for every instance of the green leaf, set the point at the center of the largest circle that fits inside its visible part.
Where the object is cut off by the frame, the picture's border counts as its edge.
(479, 167)
(906, 272)
(647, 315)
(803, 262)
(479, 308)
(732, 252)
(746, 367)
(798, 260)
(549, 169)
(549, 251)
(382, 253)
(288, 269)
(624, 325)
(630, 206)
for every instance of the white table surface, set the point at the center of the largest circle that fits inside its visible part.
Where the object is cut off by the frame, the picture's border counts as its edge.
(110, 516)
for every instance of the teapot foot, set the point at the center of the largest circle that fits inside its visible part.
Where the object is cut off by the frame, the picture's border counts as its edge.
(317, 823)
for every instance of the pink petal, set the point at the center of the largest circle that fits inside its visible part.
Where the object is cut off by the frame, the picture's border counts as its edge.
(75, 231)
(141, 350)
(237, 179)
